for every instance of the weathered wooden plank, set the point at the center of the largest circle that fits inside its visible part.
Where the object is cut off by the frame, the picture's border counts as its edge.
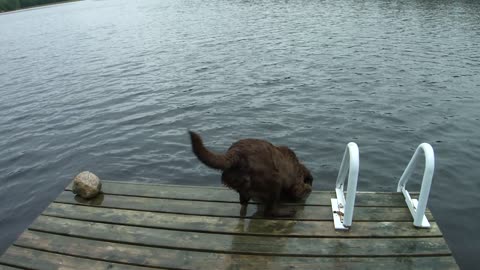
(184, 259)
(35, 259)
(288, 246)
(135, 225)
(232, 209)
(226, 195)
(238, 226)
(6, 267)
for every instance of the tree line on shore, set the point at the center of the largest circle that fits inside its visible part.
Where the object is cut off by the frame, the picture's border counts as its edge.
(8, 5)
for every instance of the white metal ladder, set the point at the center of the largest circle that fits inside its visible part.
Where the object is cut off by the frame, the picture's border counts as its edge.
(417, 207)
(342, 209)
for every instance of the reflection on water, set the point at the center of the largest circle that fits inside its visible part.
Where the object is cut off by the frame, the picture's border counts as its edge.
(112, 87)
(240, 243)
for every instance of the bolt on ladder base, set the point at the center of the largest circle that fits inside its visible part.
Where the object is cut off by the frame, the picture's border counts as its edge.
(338, 214)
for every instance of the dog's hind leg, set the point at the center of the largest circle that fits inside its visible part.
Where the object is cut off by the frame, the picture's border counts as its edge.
(239, 182)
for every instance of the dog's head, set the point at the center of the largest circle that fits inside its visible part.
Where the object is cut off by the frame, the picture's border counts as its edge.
(305, 173)
(307, 176)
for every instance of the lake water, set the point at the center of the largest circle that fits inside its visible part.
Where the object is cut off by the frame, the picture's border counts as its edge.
(113, 86)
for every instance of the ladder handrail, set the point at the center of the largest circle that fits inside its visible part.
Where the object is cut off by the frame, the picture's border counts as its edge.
(417, 208)
(351, 156)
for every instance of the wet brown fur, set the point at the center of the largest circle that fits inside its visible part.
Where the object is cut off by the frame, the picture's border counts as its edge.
(258, 170)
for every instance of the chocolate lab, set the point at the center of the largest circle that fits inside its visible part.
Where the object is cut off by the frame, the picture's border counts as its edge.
(259, 170)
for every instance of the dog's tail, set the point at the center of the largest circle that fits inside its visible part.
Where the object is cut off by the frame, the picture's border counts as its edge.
(211, 159)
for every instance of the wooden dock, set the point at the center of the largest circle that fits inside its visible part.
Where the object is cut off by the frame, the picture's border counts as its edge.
(145, 226)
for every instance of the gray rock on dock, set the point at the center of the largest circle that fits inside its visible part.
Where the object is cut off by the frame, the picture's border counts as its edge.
(87, 185)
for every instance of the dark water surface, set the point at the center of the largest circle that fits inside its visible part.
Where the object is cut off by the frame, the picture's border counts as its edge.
(112, 86)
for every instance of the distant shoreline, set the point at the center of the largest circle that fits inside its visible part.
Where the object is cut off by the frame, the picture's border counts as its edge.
(36, 6)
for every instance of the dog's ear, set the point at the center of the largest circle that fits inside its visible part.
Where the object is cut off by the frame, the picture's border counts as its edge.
(308, 179)
(307, 176)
